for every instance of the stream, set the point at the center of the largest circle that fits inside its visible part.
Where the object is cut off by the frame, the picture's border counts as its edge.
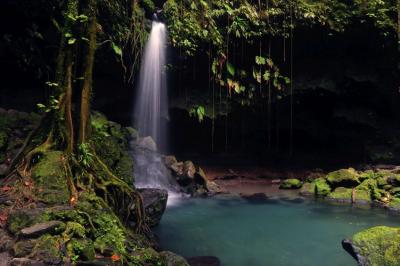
(275, 232)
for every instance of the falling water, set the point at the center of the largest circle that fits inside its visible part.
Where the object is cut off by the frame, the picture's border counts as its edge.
(151, 111)
(151, 101)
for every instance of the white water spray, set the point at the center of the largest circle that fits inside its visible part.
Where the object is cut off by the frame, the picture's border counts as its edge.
(151, 111)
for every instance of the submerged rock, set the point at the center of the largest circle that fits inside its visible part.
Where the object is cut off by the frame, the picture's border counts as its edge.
(204, 261)
(154, 202)
(171, 259)
(292, 183)
(376, 246)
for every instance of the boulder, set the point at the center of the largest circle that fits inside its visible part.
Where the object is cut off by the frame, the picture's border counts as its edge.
(204, 261)
(172, 259)
(378, 245)
(42, 228)
(292, 183)
(343, 178)
(154, 202)
(147, 143)
(308, 189)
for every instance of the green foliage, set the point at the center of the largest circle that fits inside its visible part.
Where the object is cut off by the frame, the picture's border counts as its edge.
(198, 112)
(109, 234)
(85, 157)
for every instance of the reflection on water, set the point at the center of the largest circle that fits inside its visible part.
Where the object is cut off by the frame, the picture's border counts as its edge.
(280, 232)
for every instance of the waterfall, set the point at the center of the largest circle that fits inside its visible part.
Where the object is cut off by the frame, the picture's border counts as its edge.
(151, 100)
(151, 112)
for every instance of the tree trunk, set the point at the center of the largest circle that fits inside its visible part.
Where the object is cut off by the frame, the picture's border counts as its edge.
(84, 129)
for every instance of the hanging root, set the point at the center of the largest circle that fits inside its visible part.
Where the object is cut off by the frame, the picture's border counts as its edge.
(141, 227)
(69, 177)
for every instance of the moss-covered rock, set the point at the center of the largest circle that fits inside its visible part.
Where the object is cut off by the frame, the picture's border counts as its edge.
(377, 246)
(341, 194)
(49, 177)
(292, 183)
(322, 187)
(17, 221)
(343, 178)
(111, 143)
(47, 249)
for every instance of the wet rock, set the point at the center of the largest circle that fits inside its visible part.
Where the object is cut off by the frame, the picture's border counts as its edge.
(189, 169)
(147, 143)
(172, 259)
(42, 228)
(97, 262)
(307, 190)
(204, 261)
(291, 183)
(177, 168)
(169, 160)
(25, 262)
(3, 169)
(154, 202)
(378, 245)
(23, 248)
(6, 241)
(5, 259)
(257, 197)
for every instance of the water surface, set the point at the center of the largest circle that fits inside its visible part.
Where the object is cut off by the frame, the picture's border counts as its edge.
(275, 232)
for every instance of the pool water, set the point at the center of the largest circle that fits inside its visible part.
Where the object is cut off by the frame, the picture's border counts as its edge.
(272, 232)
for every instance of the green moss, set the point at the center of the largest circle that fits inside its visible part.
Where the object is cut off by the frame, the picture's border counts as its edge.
(111, 144)
(367, 185)
(394, 204)
(47, 249)
(23, 248)
(17, 221)
(49, 177)
(362, 196)
(343, 178)
(82, 249)
(109, 234)
(322, 187)
(379, 245)
(341, 194)
(292, 183)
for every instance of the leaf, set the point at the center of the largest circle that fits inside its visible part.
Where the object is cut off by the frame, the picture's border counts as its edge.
(257, 75)
(117, 50)
(41, 106)
(260, 60)
(71, 41)
(230, 68)
(267, 75)
(270, 62)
